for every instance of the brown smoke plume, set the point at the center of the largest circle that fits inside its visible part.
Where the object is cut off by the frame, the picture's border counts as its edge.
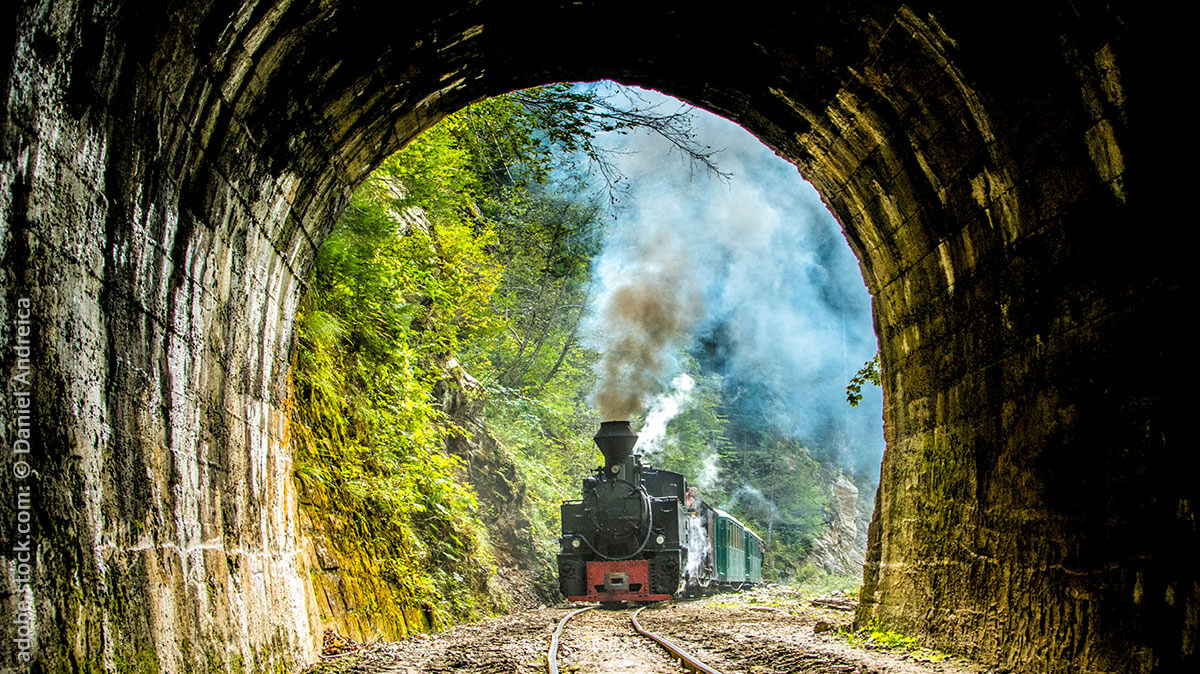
(643, 320)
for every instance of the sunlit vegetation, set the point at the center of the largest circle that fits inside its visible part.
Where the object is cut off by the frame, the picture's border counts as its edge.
(398, 292)
(878, 636)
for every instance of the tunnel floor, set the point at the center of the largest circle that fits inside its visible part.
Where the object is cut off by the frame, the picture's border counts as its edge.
(760, 632)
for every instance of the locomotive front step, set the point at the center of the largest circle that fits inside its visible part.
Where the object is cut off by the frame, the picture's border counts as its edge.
(617, 581)
(626, 580)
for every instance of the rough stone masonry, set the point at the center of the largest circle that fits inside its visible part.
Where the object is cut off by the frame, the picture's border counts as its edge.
(168, 169)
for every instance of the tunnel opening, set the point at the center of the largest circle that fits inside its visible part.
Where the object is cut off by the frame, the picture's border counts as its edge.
(166, 177)
(467, 288)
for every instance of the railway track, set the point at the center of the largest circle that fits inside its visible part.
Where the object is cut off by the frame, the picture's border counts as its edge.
(687, 660)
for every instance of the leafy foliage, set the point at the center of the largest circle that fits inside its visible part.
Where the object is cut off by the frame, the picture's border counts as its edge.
(868, 373)
(394, 294)
(402, 303)
(573, 116)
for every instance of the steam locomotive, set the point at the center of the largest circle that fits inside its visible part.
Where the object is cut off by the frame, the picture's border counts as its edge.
(640, 534)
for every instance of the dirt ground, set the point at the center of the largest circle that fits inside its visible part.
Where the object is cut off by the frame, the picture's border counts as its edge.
(604, 641)
(765, 631)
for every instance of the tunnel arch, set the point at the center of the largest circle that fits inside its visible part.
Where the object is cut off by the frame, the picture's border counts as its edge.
(168, 174)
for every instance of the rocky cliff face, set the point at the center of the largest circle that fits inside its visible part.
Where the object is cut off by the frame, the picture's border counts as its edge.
(357, 593)
(842, 547)
(521, 575)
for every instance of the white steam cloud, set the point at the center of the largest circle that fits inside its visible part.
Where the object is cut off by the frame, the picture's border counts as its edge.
(756, 271)
(707, 477)
(697, 544)
(662, 410)
(753, 497)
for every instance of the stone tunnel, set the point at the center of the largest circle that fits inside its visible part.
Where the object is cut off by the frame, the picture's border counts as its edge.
(169, 169)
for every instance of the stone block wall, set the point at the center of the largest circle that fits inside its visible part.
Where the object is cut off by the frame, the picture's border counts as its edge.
(164, 274)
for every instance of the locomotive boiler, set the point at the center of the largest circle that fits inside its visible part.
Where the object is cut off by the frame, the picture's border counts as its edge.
(640, 534)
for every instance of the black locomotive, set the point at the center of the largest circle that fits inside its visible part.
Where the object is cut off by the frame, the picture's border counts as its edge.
(640, 534)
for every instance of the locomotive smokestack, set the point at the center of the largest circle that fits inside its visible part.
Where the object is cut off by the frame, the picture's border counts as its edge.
(615, 440)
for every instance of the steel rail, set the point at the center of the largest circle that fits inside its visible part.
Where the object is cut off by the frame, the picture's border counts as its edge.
(688, 660)
(552, 655)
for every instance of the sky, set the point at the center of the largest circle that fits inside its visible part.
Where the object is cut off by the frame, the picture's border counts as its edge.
(752, 273)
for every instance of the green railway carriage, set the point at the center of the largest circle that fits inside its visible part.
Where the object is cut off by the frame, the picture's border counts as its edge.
(739, 551)
(755, 550)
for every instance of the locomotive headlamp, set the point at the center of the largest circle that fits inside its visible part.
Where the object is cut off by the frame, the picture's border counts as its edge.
(574, 542)
(660, 539)
(616, 469)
